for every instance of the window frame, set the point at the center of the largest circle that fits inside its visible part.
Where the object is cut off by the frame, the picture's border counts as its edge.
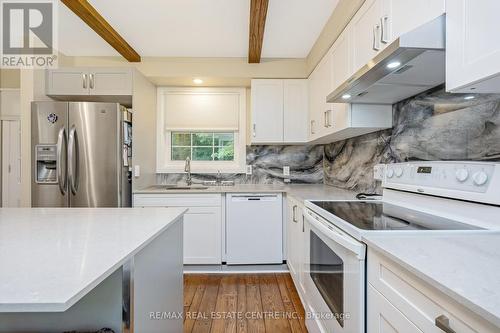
(164, 163)
(192, 146)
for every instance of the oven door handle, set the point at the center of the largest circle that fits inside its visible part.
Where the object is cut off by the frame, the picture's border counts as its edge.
(337, 235)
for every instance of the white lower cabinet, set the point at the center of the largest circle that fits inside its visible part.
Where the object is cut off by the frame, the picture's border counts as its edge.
(383, 317)
(295, 243)
(398, 301)
(202, 223)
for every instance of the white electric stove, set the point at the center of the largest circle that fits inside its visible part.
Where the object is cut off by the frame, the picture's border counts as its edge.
(418, 197)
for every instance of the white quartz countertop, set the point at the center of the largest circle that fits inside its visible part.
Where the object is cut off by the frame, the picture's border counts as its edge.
(51, 257)
(466, 267)
(298, 191)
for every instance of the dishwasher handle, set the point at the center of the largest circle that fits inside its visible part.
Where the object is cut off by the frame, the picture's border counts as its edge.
(254, 197)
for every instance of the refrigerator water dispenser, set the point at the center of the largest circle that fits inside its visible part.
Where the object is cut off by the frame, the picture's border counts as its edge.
(46, 164)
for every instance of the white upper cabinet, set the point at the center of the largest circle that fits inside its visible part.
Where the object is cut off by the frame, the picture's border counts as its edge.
(401, 16)
(267, 111)
(89, 81)
(320, 85)
(341, 59)
(67, 81)
(295, 104)
(110, 81)
(279, 111)
(472, 46)
(366, 33)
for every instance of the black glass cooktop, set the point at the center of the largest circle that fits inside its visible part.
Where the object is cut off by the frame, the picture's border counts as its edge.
(383, 216)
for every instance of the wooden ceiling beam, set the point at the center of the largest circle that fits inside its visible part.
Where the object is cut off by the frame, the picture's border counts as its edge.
(258, 13)
(94, 20)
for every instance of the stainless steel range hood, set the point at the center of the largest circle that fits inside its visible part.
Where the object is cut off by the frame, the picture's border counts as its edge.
(413, 63)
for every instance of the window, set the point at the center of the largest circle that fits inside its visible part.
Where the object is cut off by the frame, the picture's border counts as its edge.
(206, 124)
(202, 146)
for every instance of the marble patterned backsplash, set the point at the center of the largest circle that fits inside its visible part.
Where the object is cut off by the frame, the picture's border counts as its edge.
(434, 125)
(305, 162)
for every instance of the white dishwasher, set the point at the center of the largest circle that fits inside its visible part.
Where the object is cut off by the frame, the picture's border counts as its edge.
(254, 229)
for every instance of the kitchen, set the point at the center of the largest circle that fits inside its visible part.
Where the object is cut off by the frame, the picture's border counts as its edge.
(319, 166)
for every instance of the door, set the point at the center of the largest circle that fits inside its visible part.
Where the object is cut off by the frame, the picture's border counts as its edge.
(295, 111)
(472, 46)
(334, 277)
(67, 81)
(49, 121)
(366, 33)
(401, 16)
(110, 81)
(320, 85)
(94, 162)
(383, 317)
(254, 229)
(202, 236)
(267, 111)
(11, 163)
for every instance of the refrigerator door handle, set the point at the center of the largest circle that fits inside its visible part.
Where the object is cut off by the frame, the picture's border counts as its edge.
(73, 156)
(61, 180)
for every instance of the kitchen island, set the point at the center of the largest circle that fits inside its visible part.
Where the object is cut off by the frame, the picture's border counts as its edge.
(65, 269)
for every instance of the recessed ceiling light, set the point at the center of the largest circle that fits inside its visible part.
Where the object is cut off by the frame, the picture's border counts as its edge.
(197, 81)
(394, 64)
(346, 96)
(469, 97)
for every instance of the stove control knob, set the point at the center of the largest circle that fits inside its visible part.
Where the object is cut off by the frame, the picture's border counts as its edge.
(390, 173)
(462, 175)
(399, 172)
(480, 178)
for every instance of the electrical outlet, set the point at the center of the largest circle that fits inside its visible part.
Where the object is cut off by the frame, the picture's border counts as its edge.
(286, 171)
(379, 171)
(249, 170)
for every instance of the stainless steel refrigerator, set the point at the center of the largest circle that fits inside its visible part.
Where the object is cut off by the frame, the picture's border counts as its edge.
(81, 154)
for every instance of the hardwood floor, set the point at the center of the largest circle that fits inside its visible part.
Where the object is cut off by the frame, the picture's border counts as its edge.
(242, 303)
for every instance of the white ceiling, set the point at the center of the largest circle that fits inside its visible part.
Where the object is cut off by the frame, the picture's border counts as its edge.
(197, 28)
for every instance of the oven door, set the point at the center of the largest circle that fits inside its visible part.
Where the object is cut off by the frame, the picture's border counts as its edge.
(334, 278)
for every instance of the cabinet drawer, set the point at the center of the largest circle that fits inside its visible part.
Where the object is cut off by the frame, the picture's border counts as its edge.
(177, 200)
(420, 302)
(383, 317)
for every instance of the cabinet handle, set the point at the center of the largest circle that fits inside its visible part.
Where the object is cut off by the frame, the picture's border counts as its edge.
(329, 113)
(303, 227)
(84, 78)
(312, 126)
(443, 323)
(254, 130)
(91, 76)
(325, 115)
(294, 213)
(385, 29)
(376, 44)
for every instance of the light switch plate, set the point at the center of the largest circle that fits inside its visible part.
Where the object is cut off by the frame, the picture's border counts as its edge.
(137, 171)
(249, 170)
(379, 171)
(286, 171)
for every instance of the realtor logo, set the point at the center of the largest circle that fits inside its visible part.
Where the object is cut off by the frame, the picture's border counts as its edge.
(28, 34)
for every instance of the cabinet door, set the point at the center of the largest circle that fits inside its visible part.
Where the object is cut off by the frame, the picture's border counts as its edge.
(110, 81)
(67, 81)
(267, 111)
(295, 116)
(472, 46)
(320, 85)
(341, 59)
(400, 16)
(383, 317)
(366, 33)
(202, 235)
(292, 244)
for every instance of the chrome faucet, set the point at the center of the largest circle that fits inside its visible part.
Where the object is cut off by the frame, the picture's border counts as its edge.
(187, 168)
